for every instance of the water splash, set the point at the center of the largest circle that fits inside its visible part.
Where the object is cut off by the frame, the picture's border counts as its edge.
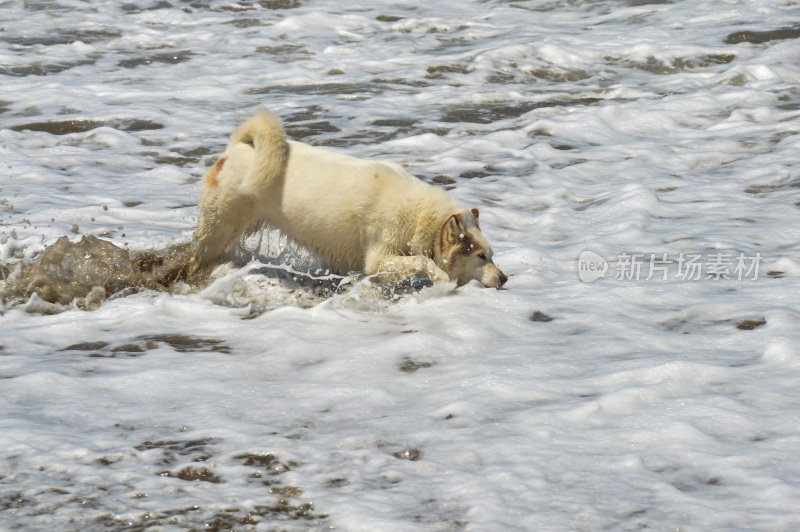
(85, 273)
(265, 270)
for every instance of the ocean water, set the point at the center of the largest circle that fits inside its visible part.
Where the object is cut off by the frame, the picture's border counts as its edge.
(635, 165)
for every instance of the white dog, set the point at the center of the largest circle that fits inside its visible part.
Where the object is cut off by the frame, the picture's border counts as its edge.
(357, 215)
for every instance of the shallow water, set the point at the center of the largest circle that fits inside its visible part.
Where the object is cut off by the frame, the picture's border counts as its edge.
(634, 164)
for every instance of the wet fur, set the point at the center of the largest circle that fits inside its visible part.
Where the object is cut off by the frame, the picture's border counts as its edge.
(358, 215)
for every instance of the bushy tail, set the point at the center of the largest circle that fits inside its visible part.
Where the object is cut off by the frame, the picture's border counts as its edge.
(265, 133)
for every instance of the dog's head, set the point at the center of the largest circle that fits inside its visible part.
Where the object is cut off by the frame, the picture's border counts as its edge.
(464, 253)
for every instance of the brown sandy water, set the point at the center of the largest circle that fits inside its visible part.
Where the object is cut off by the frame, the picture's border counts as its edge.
(86, 273)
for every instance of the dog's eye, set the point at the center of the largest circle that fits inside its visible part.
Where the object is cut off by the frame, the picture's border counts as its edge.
(482, 256)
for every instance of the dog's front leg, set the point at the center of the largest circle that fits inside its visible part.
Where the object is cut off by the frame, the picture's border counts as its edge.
(391, 269)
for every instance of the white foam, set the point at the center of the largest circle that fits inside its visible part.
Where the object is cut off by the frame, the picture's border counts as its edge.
(553, 403)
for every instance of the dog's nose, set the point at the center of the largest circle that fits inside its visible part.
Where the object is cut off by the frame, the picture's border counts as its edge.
(502, 278)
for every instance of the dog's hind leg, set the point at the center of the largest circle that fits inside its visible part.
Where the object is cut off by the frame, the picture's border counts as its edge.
(238, 184)
(220, 228)
(225, 213)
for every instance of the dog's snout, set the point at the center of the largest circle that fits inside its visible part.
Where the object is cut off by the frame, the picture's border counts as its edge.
(495, 278)
(502, 278)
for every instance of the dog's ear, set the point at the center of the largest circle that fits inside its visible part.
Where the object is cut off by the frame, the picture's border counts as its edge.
(475, 215)
(453, 230)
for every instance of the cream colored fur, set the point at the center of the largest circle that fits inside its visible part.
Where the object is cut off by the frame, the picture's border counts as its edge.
(357, 215)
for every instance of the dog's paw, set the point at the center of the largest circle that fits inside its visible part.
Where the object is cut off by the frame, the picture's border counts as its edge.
(434, 273)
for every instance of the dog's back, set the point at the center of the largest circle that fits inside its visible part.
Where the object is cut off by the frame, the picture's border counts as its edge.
(340, 206)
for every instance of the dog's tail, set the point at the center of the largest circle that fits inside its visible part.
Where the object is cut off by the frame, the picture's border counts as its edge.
(265, 133)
